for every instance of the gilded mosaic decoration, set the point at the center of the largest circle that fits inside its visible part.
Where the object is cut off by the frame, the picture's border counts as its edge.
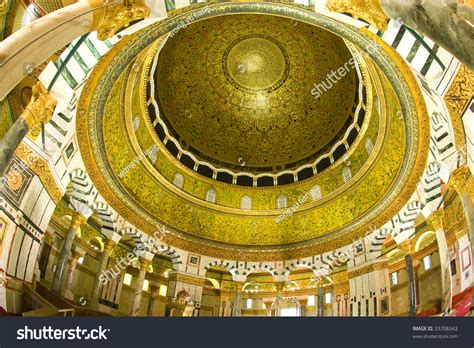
(368, 200)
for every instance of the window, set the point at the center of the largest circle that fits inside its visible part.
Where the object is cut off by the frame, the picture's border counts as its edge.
(311, 300)
(146, 285)
(80, 260)
(127, 279)
(246, 202)
(346, 174)
(249, 303)
(369, 146)
(282, 202)
(328, 298)
(178, 180)
(427, 262)
(394, 278)
(211, 195)
(163, 290)
(136, 122)
(290, 312)
(315, 192)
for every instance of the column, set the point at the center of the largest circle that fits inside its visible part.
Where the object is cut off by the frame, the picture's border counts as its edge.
(104, 259)
(38, 111)
(458, 180)
(279, 298)
(34, 43)
(369, 289)
(60, 272)
(77, 253)
(407, 247)
(447, 22)
(237, 310)
(436, 220)
(320, 301)
(144, 264)
(151, 303)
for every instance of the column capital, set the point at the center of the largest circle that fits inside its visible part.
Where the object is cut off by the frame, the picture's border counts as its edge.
(459, 178)
(40, 108)
(144, 264)
(77, 220)
(406, 246)
(108, 20)
(436, 219)
(77, 252)
(109, 245)
(280, 285)
(368, 10)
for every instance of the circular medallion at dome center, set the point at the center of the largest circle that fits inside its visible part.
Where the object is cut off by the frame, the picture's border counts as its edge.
(256, 64)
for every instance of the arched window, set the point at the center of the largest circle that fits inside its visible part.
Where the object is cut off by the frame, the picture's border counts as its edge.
(346, 174)
(282, 202)
(178, 180)
(211, 195)
(246, 202)
(369, 146)
(315, 192)
(136, 122)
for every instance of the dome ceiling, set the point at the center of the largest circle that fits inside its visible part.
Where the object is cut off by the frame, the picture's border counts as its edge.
(235, 91)
(134, 169)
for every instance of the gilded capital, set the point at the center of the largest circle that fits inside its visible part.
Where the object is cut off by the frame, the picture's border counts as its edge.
(368, 10)
(109, 245)
(436, 219)
(406, 246)
(40, 108)
(459, 178)
(109, 20)
(77, 220)
(144, 264)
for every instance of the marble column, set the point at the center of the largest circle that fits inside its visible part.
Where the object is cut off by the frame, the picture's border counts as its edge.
(237, 309)
(39, 110)
(37, 41)
(458, 180)
(279, 298)
(60, 272)
(407, 247)
(77, 253)
(320, 302)
(137, 300)
(104, 259)
(436, 221)
(151, 303)
(446, 22)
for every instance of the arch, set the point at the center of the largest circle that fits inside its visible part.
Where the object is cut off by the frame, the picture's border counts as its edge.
(224, 264)
(424, 236)
(246, 202)
(166, 250)
(106, 216)
(296, 265)
(282, 201)
(211, 196)
(83, 190)
(178, 180)
(260, 268)
(315, 192)
(346, 174)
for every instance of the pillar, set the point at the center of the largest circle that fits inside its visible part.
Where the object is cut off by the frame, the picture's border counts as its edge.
(104, 259)
(34, 43)
(38, 111)
(436, 221)
(407, 247)
(458, 181)
(77, 253)
(447, 22)
(369, 289)
(279, 298)
(60, 272)
(151, 303)
(320, 302)
(237, 309)
(137, 300)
